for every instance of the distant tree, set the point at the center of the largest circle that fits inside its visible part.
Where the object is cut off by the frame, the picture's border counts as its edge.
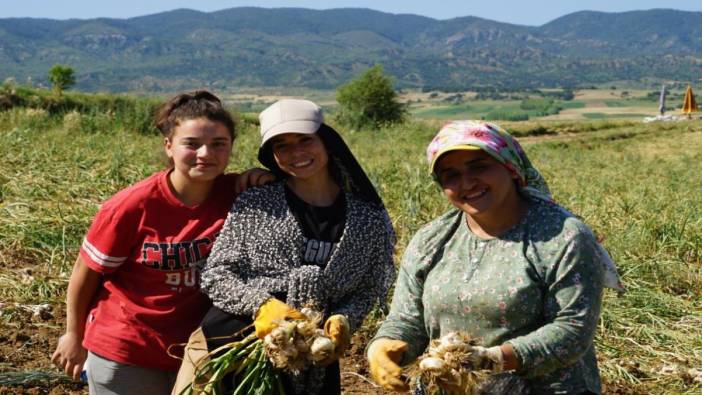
(61, 77)
(454, 99)
(568, 94)
(369, 101)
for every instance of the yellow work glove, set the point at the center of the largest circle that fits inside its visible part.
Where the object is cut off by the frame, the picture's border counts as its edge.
(384, 356)
(337, 328)
(271, 313)
(488, 358)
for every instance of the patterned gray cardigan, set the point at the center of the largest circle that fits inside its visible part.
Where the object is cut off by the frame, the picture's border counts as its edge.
(259, 253)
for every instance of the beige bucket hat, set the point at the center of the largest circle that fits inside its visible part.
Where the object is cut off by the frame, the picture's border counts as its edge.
(290, 116)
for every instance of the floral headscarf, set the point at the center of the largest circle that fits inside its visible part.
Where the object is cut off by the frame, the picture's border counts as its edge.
(498, 143)
(470, 135)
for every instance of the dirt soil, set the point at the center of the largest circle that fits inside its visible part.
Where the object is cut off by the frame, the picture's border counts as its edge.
(27, 341)
(26, 344)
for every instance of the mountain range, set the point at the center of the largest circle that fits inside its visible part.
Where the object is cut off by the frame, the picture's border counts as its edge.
(285, 47)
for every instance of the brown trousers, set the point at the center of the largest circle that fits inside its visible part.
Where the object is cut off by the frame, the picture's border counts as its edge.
(195, 351)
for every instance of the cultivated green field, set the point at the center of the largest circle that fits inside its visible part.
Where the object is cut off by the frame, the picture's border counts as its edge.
(515, 106)
(545, 105)
(637, 185)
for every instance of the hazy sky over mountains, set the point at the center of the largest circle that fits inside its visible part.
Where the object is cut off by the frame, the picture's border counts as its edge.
(513, 11)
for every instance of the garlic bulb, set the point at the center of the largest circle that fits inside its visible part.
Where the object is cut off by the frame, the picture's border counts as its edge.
(431, 364)
(321, 348)
(296, 344)
(446, 366)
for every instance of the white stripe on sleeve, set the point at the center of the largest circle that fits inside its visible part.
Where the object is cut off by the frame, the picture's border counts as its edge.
(100, 258)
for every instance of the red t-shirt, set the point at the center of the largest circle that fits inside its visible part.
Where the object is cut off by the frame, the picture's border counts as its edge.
(149, 247)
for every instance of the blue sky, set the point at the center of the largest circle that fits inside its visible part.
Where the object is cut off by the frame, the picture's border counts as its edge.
(513, 11)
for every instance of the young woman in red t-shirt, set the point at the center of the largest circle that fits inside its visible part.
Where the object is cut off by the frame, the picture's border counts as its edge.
(134, 289)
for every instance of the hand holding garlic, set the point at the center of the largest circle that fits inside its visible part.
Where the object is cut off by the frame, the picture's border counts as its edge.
(295, 344)
(271, 313)
(456, 364)
(488, 358)
(384, 356)
(338, 330)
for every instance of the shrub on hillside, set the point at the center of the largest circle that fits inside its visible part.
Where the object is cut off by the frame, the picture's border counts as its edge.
(62, 77)
(369, 101)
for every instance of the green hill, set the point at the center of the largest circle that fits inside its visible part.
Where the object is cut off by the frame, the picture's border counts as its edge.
(321, 49)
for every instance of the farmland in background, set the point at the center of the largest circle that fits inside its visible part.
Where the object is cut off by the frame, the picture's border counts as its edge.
(637, 185)
(517, 106)
(606, 103)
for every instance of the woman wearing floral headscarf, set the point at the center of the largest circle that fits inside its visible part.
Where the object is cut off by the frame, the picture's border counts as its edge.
(508, 266)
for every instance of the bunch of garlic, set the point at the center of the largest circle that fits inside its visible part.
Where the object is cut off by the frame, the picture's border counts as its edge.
(295, 345)
(447, 365)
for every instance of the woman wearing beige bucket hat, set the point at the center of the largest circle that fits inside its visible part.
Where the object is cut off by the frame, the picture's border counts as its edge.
(507, 265)
(320, 236)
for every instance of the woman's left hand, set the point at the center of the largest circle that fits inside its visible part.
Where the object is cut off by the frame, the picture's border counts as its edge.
(488, 358)
(255, 177)
(337, 328)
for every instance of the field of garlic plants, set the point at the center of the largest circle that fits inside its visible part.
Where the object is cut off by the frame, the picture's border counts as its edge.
(637, 185)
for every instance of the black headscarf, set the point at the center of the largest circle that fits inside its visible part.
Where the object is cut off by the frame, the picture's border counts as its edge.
(344, 167)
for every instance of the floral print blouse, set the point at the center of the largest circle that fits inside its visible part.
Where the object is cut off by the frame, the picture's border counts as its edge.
(538, 287)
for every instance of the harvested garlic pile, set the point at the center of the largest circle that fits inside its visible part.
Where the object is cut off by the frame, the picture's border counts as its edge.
(294, 345)
(447, 365)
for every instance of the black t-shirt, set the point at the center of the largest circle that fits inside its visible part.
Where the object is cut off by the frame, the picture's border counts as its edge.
(322, 227)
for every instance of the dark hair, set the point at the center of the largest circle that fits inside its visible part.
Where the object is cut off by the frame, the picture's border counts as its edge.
(343, 166)
(192, 105)
(267, 158)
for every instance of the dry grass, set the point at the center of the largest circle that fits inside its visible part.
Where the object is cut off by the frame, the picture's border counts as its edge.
(637, 185)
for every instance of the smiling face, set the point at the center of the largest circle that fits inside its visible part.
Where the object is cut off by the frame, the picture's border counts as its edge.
(477, 184)
(300, 155)
(199, 149)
